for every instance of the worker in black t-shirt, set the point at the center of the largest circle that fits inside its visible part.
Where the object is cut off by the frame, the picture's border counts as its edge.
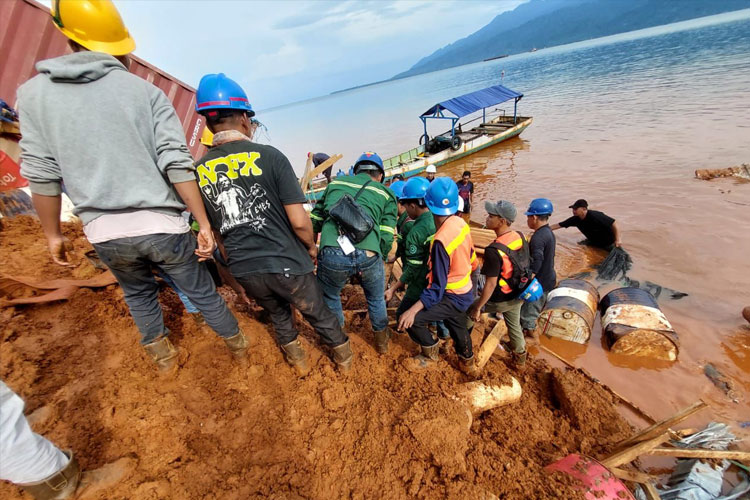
(254, 201)
(599, 229)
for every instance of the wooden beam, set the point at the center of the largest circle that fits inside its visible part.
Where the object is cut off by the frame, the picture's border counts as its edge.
(742, 456)
(663, 426)
(629, 454)
(319, 169)
(308, 167)
(489, 344)
(632, 475)
(650, 491)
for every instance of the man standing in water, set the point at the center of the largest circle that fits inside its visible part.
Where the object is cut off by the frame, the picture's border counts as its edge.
(599, 229)
(466, 192)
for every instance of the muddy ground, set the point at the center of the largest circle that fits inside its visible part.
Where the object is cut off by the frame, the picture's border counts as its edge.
(234, 430)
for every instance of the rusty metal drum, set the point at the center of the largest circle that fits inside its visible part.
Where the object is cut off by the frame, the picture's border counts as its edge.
(634, 325)
(570, 311)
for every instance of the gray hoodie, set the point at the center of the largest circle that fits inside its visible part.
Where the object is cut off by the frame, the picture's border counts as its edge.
(113, 138)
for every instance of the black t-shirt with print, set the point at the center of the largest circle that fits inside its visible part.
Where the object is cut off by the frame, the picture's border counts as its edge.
(596, 227)
(245, 187)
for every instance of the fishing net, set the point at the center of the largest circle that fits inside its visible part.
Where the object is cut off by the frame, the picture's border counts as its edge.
(617, 264)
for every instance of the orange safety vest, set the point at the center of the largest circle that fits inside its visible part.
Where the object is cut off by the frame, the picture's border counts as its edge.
(455, 236)
(514, 241)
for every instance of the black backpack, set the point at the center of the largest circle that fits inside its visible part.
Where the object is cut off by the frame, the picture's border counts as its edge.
(521, 260)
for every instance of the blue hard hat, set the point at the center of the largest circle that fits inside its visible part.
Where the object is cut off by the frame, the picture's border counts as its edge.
(217, 91)
(397, 188)
(442, 196)
(340, 173)
(368, 160)
(540, 206)
(533, 292)
(415, 189)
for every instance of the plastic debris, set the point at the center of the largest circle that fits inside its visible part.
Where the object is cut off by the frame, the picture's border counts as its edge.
(617, 263)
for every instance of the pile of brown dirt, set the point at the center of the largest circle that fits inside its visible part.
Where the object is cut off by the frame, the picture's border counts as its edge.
(235, 430)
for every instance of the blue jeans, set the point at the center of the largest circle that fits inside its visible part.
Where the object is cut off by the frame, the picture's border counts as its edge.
(189, 307)
(335, 269)
(131, 260)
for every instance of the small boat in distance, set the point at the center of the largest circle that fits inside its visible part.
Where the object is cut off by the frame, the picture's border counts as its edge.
(496, 57)
(463, 138)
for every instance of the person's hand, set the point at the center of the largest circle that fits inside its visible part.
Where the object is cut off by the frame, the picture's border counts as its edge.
(313, 253)
(474, 312)
(618, 243)
(391, 259)
(407, 319)
(206, 244)
(60, 249)
(389, 294)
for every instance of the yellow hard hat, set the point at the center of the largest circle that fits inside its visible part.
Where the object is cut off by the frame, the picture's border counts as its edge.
(95, 24)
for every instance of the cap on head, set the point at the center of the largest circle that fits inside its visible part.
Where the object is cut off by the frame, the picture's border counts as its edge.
(442, 196)
(431, 169)
(95, 25)
(579, 204)
(217, 91)
(502, 208)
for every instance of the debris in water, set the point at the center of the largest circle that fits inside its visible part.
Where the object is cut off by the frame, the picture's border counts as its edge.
(742, 171)
(721, 381)
(617, 263)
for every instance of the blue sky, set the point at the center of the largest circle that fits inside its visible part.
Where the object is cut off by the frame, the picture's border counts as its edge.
(287, 50)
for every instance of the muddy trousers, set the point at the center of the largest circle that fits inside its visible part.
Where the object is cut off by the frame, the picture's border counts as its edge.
(511, 311)
(131, 261)
(455, 320)
(25, 457)
(276, 293)
(407, 302)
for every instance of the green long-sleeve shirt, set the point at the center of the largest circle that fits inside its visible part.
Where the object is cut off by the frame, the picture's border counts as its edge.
(377, 200)
(402, 227)
(416, 255)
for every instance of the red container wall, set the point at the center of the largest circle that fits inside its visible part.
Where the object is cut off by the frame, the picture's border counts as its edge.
(27, 35)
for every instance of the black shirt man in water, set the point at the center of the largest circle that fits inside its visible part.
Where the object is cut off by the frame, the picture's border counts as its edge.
(599, 229)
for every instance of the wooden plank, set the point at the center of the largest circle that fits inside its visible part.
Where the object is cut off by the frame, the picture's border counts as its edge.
(632, 475)
(650, 491)
(319, 169)
(629, 454)
(308, 167)
(742, 456)
(663, 426)
(489, 344)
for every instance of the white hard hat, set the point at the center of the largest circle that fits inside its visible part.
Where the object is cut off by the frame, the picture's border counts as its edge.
(431, 169)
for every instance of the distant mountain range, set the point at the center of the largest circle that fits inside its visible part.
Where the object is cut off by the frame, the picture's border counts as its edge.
(546, 23)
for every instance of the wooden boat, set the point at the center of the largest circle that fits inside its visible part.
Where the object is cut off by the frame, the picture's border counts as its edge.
(463, 139)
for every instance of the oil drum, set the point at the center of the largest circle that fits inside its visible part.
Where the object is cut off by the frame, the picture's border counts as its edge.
(570, 311)
(633, 324)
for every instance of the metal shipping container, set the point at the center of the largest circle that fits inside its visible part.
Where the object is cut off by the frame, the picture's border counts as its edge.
(27, 35)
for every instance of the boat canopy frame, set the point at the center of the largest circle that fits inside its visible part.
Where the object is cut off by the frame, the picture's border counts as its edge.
(469, 103)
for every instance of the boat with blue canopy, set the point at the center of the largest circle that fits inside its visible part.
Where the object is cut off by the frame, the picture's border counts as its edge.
(464, 138)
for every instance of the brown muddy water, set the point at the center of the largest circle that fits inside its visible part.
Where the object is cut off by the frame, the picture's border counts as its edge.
(623, 122)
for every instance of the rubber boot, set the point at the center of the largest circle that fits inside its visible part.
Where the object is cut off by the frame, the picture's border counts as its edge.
(469, 366)
(445, 345)
(198, 318)
(519, 359)
(59, 485)
(343, 356)
(237, 344)
(164, 354)
(295, 355)
(426, 358)
(381, 340)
